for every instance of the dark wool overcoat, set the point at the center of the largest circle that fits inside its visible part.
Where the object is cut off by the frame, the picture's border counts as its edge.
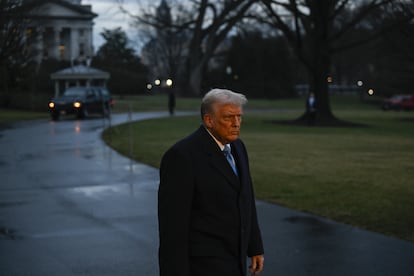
(205, 211)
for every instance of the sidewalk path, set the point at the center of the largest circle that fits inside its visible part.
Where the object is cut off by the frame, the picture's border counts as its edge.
(299, 244)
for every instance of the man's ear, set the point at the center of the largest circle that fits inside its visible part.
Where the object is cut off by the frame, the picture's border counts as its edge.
(208, 120)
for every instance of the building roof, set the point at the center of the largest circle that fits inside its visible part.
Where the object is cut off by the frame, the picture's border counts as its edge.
(42, 9)
(79, 72)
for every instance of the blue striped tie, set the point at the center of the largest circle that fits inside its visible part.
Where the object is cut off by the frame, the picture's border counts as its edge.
(229, 157)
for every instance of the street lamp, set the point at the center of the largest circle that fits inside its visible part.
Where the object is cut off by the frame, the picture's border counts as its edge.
(329, 79)
(370, 91)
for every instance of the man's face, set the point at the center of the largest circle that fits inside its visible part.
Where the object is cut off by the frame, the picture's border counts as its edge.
(224, 122)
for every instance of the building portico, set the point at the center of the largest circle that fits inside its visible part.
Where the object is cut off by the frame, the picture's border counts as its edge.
(61, 30)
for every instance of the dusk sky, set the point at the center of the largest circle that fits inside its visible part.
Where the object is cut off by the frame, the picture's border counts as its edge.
(110, 17)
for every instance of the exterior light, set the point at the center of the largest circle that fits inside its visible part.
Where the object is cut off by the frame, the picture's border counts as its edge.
(149, 86)
(329, 79)
(371, 92)
(157, 82)
(228, 70)
(77, 104)
(51, 105)
(360, 83)
(169, 82)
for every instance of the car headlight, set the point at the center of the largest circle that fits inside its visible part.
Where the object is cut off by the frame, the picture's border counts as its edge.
(51, 105)
(77, 104)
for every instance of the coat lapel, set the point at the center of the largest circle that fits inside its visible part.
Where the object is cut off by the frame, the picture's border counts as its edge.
(240, 158)
(220, 163)
(218, 160)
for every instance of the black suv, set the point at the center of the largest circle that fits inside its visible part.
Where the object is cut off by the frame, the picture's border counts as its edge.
(82, 101)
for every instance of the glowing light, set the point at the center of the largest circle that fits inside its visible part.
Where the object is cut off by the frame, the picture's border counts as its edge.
(169, 82)
(149, 86)
(370, 92)
(360, 83)
(157, 82)
(228, 70)
(329, 79)
(77, 104)
(52, 105)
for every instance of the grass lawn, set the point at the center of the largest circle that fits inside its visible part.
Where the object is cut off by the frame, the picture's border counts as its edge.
(8, 116)
(362, 176)
(159, 102)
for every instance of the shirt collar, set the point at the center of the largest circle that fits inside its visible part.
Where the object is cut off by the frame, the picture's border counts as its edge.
(221, 146)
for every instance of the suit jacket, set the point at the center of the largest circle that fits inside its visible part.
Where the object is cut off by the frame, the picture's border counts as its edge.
(204, 209)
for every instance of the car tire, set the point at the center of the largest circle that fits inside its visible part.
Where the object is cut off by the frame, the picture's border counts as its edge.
(55, 115)
(83, 113)
(106, 111)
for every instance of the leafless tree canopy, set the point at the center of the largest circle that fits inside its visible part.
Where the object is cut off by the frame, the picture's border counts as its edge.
(204, 24)
(317, 30)
(14, 53)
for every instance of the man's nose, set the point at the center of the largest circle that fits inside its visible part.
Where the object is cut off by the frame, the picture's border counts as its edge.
(236, 120)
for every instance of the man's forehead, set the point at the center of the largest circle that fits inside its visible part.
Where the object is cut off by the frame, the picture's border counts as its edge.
(229, 108)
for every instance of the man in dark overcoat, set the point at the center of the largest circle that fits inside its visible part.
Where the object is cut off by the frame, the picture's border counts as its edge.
(206, 207)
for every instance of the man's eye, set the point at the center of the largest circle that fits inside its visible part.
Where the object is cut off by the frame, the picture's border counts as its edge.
(231, 117)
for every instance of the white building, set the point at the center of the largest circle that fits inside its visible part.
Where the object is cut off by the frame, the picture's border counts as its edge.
(61, 29)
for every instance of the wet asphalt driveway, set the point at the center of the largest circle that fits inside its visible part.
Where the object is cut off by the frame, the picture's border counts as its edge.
(69, 205)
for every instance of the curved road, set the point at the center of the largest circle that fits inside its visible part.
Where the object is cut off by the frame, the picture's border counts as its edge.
(69, 205)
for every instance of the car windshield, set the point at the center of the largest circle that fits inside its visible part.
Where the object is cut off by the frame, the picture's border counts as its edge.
(76, 91)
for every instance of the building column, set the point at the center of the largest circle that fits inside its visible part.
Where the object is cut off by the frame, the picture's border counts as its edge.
(74, 38)
(89, 43)
(56, 43)
(39, 44)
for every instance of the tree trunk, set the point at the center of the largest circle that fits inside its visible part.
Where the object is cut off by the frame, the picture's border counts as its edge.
(320, 88)
(4, 78)
(195, 72)
(320, 63)
(194, 82)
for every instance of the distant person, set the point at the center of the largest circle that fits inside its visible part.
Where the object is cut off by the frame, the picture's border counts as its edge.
(311, 109)
(171, 102)
(206, 207)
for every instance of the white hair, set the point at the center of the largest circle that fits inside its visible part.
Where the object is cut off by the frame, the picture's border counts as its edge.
(221, 96)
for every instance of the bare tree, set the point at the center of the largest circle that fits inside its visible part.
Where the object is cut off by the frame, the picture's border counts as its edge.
(317, 30)
(205, 23)
(12, 46)
(12, 30)
(165, 46)
(16, 56)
